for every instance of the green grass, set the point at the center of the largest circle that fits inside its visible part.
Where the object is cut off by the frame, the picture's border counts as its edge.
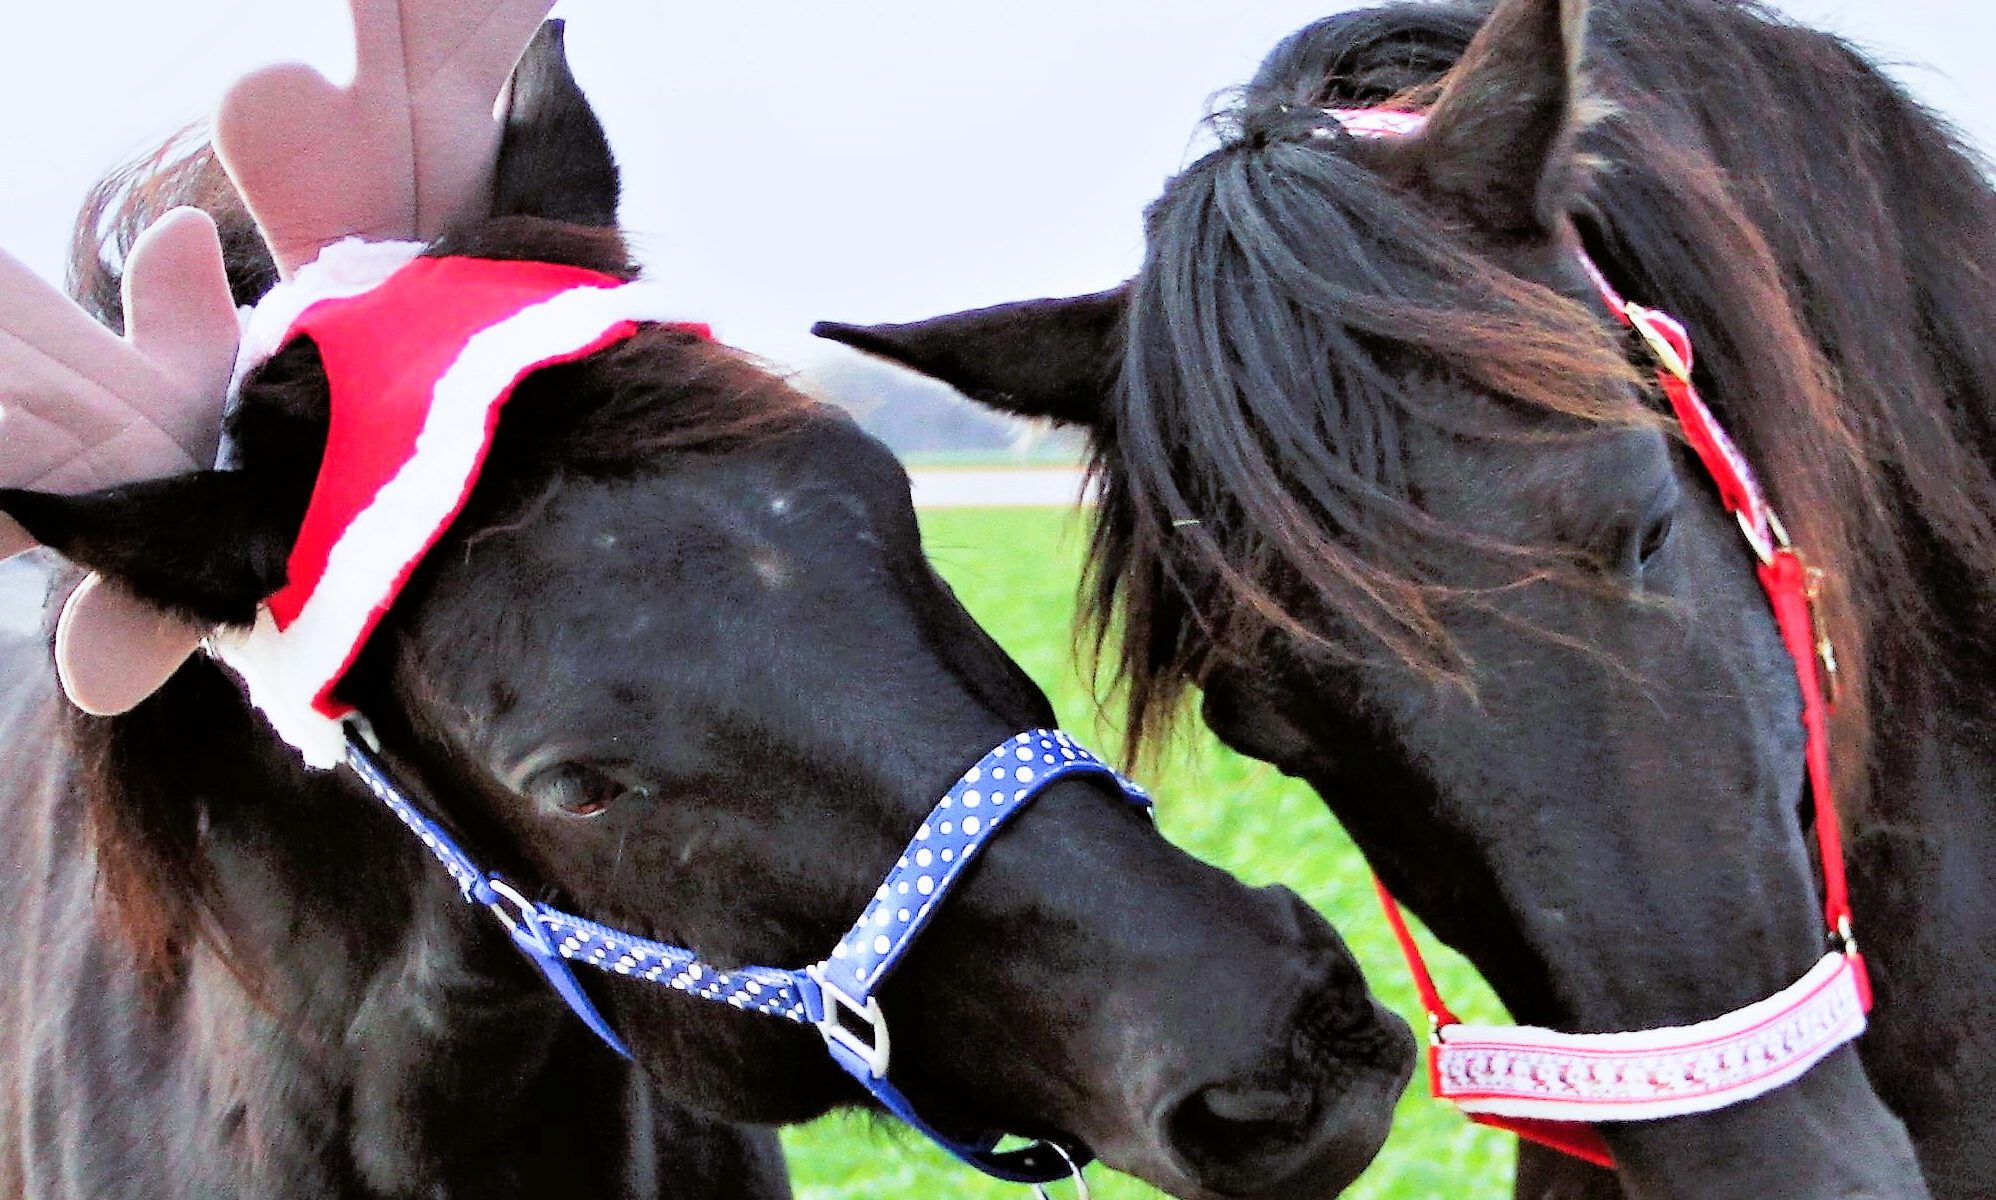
(1016, 570)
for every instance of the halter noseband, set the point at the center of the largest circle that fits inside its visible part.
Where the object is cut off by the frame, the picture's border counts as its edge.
(838, 995)
(1553, 1087)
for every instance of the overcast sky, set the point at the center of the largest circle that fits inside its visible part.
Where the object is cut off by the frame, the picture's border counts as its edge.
(801, 159)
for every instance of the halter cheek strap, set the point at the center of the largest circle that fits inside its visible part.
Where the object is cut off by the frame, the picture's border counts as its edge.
(838, 995)
(1552, 1087)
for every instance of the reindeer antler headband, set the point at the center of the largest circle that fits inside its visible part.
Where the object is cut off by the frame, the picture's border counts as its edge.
(82, 409)
(401, 153)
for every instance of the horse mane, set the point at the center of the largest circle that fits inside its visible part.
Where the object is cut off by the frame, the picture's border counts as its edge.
(1287, 328)
(1827, 241)
(620, 412)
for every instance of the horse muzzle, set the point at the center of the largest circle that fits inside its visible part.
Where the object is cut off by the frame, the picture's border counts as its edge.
(1290, 1106)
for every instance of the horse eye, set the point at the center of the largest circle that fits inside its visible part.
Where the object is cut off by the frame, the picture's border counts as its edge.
(579, 790)
(1656, 537)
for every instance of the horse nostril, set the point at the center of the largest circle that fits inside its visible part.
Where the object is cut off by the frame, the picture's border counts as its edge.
(1240, 1131)
(1241, 1105)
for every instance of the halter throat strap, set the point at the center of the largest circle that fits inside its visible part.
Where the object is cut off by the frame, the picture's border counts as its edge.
(838, 995)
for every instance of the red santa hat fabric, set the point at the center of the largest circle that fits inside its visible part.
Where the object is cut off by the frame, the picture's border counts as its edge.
(420, 366)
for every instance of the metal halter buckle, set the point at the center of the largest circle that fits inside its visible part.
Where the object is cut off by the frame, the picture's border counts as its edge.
(875, 1053)
(1763, 547)
(518, 915)
(1826, 649)
(1073, 1172)
(1812, 594)
(1644, 322)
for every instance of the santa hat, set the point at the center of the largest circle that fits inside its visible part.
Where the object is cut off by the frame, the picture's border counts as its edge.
(421, 354)
(403, 152)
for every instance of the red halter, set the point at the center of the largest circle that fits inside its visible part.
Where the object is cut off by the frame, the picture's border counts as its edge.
(1552, 1087)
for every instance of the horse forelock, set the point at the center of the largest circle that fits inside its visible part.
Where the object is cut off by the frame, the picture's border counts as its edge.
(1833, 310)
(1284, 336)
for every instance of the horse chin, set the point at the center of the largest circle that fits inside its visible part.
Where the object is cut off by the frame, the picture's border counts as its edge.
(760, 1072)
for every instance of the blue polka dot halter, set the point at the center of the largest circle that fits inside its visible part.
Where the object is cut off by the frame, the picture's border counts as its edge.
(837, 995)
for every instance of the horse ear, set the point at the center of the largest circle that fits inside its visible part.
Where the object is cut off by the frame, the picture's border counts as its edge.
(1498, 145)
(554, 158)
(1035, 358)
(209, 546)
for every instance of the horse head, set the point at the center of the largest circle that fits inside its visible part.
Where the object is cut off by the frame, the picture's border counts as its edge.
(1382, 478)
(679, 662)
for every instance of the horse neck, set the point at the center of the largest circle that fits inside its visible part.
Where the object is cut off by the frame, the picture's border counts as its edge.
(347, 956)
(202, 818)
(1913, 358)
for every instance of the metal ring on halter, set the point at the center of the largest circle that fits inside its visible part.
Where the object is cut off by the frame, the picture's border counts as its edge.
(1643, 320)
(1073, 1171)
(517, 913)
(1763, 545)
(876, 1053)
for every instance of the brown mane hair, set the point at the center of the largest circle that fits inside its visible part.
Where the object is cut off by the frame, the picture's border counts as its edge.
(1270, 465)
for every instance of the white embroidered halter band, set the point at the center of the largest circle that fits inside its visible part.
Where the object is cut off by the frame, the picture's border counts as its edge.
(1553, 1087)
(420, 355)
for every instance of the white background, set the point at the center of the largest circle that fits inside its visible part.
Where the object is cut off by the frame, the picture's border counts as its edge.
(803, 159)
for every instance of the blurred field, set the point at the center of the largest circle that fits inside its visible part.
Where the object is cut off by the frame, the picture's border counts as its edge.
(1016, 570)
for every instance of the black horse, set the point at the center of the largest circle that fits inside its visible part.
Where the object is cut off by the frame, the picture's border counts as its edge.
(681, 662)
(1379, 478)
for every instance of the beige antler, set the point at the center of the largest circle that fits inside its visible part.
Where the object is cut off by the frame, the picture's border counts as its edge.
(403, 151)
(81, 409)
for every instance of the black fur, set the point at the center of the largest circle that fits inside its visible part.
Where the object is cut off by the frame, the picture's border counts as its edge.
(158, 537)
(1446, 570)
(1048, 358)
(685, 590)
(556, 161)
